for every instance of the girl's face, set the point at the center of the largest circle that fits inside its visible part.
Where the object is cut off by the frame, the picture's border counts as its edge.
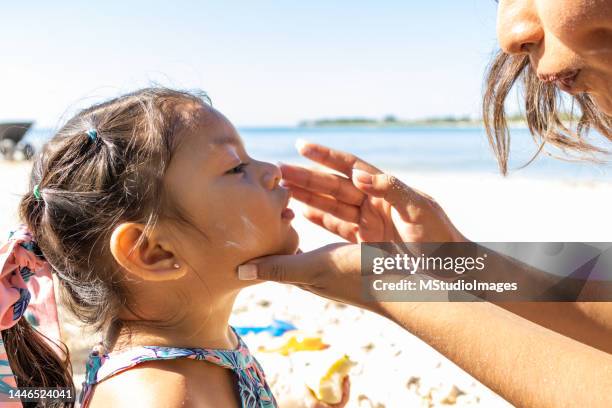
(568, 41)
(235, 205)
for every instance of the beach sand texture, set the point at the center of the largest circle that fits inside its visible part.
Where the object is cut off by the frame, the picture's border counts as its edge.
(394, 368)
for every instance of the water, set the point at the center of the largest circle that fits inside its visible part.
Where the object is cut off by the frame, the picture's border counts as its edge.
(418, 150)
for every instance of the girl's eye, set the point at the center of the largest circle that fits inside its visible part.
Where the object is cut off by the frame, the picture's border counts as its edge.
(238, 169)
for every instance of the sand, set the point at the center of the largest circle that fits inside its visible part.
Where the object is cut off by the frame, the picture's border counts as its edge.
(394, 369)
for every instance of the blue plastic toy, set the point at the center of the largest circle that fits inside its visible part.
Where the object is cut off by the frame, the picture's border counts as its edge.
(276, 329)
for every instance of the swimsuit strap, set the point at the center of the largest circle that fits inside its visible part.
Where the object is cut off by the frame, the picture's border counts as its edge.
(253, 390)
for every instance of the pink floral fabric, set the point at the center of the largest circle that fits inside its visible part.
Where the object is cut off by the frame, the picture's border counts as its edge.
(26, 288)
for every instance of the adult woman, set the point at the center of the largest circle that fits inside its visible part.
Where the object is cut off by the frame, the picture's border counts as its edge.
(545, 354)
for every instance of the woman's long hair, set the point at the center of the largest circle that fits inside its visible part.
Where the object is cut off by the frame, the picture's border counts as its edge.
(542, 110)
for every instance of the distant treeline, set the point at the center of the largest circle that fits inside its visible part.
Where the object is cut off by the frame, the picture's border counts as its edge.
(390, 121)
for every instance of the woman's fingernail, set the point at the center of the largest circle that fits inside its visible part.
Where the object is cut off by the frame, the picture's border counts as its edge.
(247, 272)
(362, 176)
(302, 147)
(300, 144)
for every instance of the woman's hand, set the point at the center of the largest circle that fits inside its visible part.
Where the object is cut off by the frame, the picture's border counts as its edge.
(332, 271)
(357, 211)
(357, 205)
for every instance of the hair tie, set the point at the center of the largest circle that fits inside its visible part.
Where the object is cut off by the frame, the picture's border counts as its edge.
(37, 192)
(92, 133)
(20, 259)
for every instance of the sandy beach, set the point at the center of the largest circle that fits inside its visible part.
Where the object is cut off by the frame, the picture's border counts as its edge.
(394, 368)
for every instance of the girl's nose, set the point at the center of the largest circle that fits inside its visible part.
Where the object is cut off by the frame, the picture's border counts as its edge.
(272, 176)
(518, 26)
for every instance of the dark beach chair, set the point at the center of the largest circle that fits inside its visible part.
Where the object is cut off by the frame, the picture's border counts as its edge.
(11, 134)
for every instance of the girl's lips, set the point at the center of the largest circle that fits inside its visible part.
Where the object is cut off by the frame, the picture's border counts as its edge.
(287, 214)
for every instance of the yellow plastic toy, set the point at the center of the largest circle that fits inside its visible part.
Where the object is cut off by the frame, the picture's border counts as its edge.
(328, 387)
(295, 343)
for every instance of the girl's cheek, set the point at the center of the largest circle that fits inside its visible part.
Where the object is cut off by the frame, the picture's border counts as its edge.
(239, 233)
(242, 221)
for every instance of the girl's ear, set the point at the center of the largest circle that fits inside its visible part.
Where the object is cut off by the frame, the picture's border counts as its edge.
(152, 260)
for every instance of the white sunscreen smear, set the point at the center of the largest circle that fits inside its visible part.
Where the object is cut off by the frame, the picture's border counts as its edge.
(249, 225)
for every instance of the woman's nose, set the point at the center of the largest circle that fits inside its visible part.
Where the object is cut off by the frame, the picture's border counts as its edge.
(272, 176)
(519, 28)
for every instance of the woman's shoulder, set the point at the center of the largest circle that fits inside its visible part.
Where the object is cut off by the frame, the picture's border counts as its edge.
(167, 383)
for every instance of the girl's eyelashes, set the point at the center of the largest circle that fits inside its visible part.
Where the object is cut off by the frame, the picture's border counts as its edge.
(238, 169)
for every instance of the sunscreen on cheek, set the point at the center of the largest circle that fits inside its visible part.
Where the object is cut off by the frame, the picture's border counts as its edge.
(249, 227)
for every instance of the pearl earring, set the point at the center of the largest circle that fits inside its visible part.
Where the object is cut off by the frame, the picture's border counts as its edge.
(176, 266)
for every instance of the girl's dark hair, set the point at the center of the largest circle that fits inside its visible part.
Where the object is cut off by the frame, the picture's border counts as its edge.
(88, 186)
(542, 111)
(34, 363)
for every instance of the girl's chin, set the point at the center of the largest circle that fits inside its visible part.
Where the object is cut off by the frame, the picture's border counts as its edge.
(290, 244)
(287, 245)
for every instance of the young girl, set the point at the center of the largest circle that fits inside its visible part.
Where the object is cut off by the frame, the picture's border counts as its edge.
(144, 206)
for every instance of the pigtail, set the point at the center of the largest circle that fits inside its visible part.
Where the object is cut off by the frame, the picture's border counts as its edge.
(34, 363)
(35, 359)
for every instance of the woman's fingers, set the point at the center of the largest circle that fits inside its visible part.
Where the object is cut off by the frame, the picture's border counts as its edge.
(371, 222)
(334, 159)
(402, 197)
(422, 218)
(342, 189)
(343, 229)
(328, 204)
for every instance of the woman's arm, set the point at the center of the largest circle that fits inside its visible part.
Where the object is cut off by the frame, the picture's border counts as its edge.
(525, 363)
(587, 322)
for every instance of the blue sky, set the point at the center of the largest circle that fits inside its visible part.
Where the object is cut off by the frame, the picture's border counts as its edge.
(261, 62)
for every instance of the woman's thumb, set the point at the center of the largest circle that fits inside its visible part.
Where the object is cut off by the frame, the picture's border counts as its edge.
(278, 268)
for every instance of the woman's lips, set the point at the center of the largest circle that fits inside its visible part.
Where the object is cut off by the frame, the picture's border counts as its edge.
(567, 84)
(566, 80)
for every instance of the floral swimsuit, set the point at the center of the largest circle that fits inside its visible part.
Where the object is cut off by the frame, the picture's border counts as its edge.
(252, 388)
